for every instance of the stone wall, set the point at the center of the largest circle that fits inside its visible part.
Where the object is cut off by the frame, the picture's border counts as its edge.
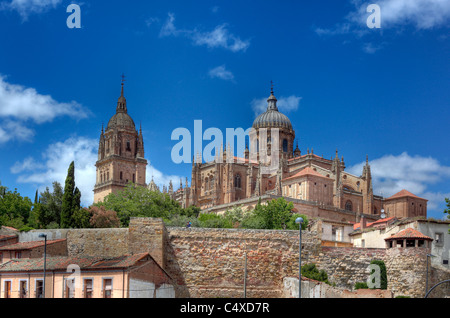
(212, 262)
(97, 242)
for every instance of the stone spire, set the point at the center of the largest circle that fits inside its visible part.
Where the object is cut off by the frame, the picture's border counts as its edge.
(121, 102)
(272, 100)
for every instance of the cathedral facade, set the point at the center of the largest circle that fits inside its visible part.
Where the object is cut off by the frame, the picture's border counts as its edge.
(308, 180)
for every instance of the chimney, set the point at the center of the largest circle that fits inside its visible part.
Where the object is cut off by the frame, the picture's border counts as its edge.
(363, 223)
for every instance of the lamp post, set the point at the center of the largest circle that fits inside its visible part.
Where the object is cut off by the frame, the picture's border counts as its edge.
(45, 260)
(299, 221)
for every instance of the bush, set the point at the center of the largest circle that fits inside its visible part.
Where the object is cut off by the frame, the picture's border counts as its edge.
(361, 285)
(383, 273)
(214, 221)
(401, 296)
(310, 271)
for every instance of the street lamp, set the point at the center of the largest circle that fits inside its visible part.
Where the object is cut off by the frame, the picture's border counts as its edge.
(299, 221)
(45, 260)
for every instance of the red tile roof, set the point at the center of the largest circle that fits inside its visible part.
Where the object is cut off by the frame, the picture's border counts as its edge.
(7, 237)
(62, 262)
(404, 193)
(27, 245)
(381, 221)
(409, 233)
(304, 172)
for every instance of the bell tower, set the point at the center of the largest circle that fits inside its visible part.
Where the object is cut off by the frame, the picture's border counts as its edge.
(120, 153)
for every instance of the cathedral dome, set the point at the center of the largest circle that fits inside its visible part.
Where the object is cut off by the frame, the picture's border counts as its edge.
(272, 118)
(121, 118)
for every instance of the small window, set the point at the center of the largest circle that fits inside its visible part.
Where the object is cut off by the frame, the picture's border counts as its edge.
(23, 288)
(128, 145)
(18, 254)
(39, 288)
(285, 145)
(70, 288)
(88, 288)
(7, 289)
(107, 288)
(349, 206)
(121, 175)
(445, 261)
(439, 237)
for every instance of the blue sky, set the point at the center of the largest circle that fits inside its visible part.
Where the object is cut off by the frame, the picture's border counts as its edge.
(381, 92)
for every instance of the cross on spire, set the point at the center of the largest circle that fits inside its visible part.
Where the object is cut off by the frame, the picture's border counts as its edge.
(123, 78)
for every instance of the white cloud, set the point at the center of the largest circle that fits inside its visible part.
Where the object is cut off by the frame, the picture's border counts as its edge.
(20, 105)
(27, 7)
(55, 162)
(284, 104)
(394, 14)
(391, 173)
(222, 73)
(12, 130)
(220, 37)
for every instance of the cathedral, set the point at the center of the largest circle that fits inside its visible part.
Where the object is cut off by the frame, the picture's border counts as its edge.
(317, 186)
(120, 154)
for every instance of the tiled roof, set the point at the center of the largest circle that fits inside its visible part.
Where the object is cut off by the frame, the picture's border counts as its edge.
(404, 193)
(7, 237)
(27, 245)
(381, 221)
(62, 262)
(409, 233)
(304, 172)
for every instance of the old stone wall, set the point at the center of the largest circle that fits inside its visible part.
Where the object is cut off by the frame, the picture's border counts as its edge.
(97, 242)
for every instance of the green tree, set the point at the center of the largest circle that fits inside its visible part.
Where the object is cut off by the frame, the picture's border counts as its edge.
(47, 208)
(81, 218)
(291, 225)
(137, 201)
(70, 200)
(14, 209)
(310, 271)
(276, 214)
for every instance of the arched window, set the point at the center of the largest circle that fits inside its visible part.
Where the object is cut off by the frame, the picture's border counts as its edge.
(348, 206)
(285, 145)
(237, 181)
(211, 182)
(128, 145)
(375, 211)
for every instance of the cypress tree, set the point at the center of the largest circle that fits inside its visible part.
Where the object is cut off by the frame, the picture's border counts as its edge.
(68, 200)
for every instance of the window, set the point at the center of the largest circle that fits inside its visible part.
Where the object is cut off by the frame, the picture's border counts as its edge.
(439, 237)
(128, 145)
(70, 288)
(121, 175)
(107, 287)
(134, 178)
(237, 181)
(23, 289)
(39, 288)
(8, 289)
(88, 288)
(285, 145)
(18, 254)
(348, 206)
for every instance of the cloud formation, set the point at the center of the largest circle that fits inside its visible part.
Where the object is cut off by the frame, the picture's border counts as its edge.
(25, 8)
(21, 105)
(219, 37)
(222, 73)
